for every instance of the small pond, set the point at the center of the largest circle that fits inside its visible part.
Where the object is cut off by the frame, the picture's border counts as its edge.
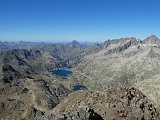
(79, 87)
(61, 72)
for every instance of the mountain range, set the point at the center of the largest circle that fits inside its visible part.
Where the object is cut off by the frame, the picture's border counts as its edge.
(121, 77)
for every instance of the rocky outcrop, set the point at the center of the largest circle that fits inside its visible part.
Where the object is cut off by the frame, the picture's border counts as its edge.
(125, 44)
(10, 74)
(83, 113)
(121, 103)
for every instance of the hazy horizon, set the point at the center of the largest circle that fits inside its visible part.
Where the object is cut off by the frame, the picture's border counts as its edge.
(81, 20)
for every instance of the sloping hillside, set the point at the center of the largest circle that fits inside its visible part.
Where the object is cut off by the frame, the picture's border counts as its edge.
(119, 63)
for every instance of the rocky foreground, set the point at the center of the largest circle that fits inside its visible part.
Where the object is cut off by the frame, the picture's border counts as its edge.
(113, 104)
(53, 102)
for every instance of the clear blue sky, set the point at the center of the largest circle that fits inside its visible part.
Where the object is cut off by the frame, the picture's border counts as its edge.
(82, 20)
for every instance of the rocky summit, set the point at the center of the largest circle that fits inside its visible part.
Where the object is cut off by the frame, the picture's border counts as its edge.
(120, 80)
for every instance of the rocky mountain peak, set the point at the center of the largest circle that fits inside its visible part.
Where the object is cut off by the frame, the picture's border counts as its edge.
(152, 37)
(75, 43)
(152, 40)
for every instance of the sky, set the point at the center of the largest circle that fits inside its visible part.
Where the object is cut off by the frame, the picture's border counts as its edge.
(81, 20)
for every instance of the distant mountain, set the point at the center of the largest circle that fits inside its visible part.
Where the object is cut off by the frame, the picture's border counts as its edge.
(64, 52)
(4, 46)
(68, 54)
(74, 44)
(152, 40)
(27, 62)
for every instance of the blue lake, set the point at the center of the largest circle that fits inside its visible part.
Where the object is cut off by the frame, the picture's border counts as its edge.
(79, 87)
(60, 72)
